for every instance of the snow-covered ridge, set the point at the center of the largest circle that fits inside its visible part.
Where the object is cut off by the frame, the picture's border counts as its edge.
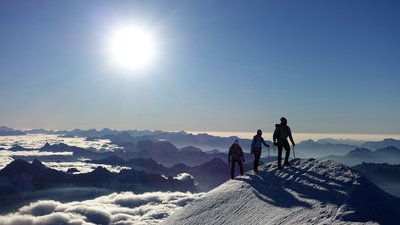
(309, 192)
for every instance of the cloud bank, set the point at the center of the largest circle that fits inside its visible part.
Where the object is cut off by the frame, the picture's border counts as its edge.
(116, 208)
(82, 167)
(37, 141)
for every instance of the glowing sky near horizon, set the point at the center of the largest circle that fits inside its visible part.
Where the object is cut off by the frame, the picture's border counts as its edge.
(328, 66)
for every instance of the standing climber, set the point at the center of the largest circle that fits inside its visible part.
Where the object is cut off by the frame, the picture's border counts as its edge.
(235, 155)
(256, 146)
(281, 133)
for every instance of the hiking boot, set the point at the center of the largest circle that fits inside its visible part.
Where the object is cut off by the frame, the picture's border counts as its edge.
(286, 164)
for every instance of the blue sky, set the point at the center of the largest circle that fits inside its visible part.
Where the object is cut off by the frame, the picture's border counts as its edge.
(328, 66)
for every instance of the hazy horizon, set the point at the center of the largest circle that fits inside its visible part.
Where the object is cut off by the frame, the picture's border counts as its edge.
(305, 136)
(298, 136)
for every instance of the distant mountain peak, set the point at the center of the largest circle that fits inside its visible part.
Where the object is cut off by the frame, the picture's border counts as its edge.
(38, 163)
(7, 131)
(47, 145)
(101, 169)
(106, 130)
(214, 151)
(17, 148)
(389, 139)
(392, 148)
(381, 144)
(190, 148)
(165, 146)
(361, 150)
(5, 128)
(124, 134)
(310, 141)
(17, 163)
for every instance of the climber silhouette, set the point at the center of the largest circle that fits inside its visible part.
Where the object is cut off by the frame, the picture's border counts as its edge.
(281, 133)
(256, 146)
(235, 155)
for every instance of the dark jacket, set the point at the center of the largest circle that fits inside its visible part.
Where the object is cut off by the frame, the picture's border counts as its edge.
(235, 152)
(257, 142)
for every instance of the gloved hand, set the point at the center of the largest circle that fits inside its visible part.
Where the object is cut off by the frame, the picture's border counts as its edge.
(276, 144)
(293, 144)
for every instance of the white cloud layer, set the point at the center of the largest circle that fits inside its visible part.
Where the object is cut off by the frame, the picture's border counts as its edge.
(82, 167)
(34, 153)
(37, 141)
(4, 161)
(117, 209)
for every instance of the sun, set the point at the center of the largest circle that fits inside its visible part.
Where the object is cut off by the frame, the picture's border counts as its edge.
(131, 48)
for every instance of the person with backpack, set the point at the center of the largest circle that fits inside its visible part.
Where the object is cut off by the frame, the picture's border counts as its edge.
(281, 133)
(256, 146)
(235, 155)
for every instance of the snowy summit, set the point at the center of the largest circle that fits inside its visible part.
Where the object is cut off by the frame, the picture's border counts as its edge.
(309, 192)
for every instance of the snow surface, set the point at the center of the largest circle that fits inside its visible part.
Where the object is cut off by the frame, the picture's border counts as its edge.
(309, 192)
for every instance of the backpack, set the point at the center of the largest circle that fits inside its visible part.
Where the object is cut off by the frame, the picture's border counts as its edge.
(283, 132)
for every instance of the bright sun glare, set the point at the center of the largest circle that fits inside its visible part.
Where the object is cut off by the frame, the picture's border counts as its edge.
(131, 48)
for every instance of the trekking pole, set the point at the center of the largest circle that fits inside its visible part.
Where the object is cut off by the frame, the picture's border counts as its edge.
(294, 155)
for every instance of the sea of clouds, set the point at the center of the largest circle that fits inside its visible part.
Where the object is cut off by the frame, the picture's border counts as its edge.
(83, 206)
(37, 141)
(4, 161)
(116, 208)
(82, 167)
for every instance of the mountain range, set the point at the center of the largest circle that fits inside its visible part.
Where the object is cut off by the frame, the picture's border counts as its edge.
(162, 151)
(181, 139)
(20, 175)
(206, 142)
(310, 148)
(208, 169)
(340, 141)
(389, 155)
(207, 175)
(374, 145)
(6, 131)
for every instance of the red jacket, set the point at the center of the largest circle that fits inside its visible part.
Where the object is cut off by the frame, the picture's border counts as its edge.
(235, 152)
